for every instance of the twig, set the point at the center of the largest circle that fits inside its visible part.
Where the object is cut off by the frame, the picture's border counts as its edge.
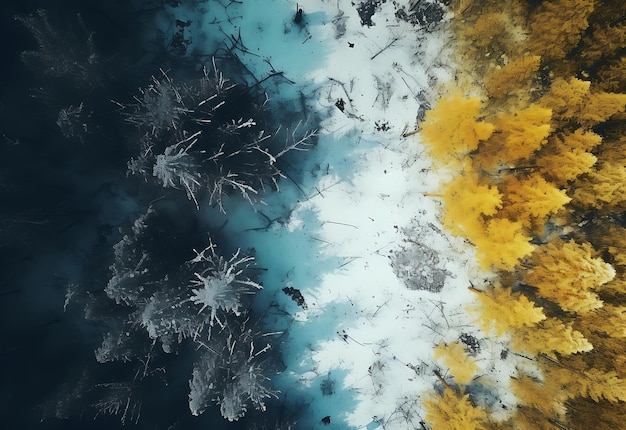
(340, 223)
(395, 39)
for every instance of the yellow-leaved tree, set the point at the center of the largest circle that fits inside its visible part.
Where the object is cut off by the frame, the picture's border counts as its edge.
(556, 26)
(613, 76)
(502, 245)
(519, 135)
(529, 199)
(568, 273)
(452, 411)
(514, 78)
(610, 320)
(565, 99)
(461, 366)
(468, 202)
(567, 155)
(573, 102)
(602, 188)
(548, 337)
(600, 106)
(606, 38)
(534, 394)
(611, 238)
(590, 382)
(500, 310)
(452, 129)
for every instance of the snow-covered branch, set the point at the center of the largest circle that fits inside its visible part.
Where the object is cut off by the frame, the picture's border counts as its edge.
(228, 154)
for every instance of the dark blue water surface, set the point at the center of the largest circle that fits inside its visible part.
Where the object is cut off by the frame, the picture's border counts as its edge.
(64, 194)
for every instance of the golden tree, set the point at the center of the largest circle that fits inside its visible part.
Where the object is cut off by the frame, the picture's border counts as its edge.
(534, 394)
(576, 380)
(519, 135)
(453, 356)
(452, 411)
(567, 155)
(514, 78)
(467, 203)
(503, 243)
(566, 98)
(530, 199)
(605, 40)
(548, 337)
(568, 273)
(573, 102)
(612, 239)
(501, 310)
(602, 188)
(600, 106)
(556, 26)
(609, 319)
(452, 129)
(612, 77)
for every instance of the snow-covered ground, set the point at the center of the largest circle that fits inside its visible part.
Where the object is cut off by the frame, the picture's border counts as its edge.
(383, 284)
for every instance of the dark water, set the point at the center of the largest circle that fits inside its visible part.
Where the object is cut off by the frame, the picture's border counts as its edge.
(62, 200)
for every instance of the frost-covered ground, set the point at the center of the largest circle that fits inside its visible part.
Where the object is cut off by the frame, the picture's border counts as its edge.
(382, 283)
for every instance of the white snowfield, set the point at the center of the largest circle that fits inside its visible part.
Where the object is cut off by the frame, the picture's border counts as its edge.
(383, 283)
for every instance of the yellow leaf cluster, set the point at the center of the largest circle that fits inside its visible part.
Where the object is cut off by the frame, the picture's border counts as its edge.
(453, 411)
(452, 129)
(597, 385)
(532, 393)
(512, 78)
(572, 101)
(612, 77)
(602, 188)
(603, 41)
(610, 320)
(467, 203)
(454, 357)
(568, 273)
(616, 241)
(567, 155)
(502, 310)
(556, 26)
(561, 167)
(502, 245)
(566, 98)
(600, 106)
(548, 337)
(530, 199)
(519, 135)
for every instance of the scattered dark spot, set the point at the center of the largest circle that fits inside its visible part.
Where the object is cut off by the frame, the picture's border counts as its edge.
(328, 386)
(421, 111)
(424, 14)
(326, 419)
(298, 18)
(472, 345)
(341, 105)
(296, 296)
(367, 9)
(382, 126)
(504, 354)
(350, 45)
